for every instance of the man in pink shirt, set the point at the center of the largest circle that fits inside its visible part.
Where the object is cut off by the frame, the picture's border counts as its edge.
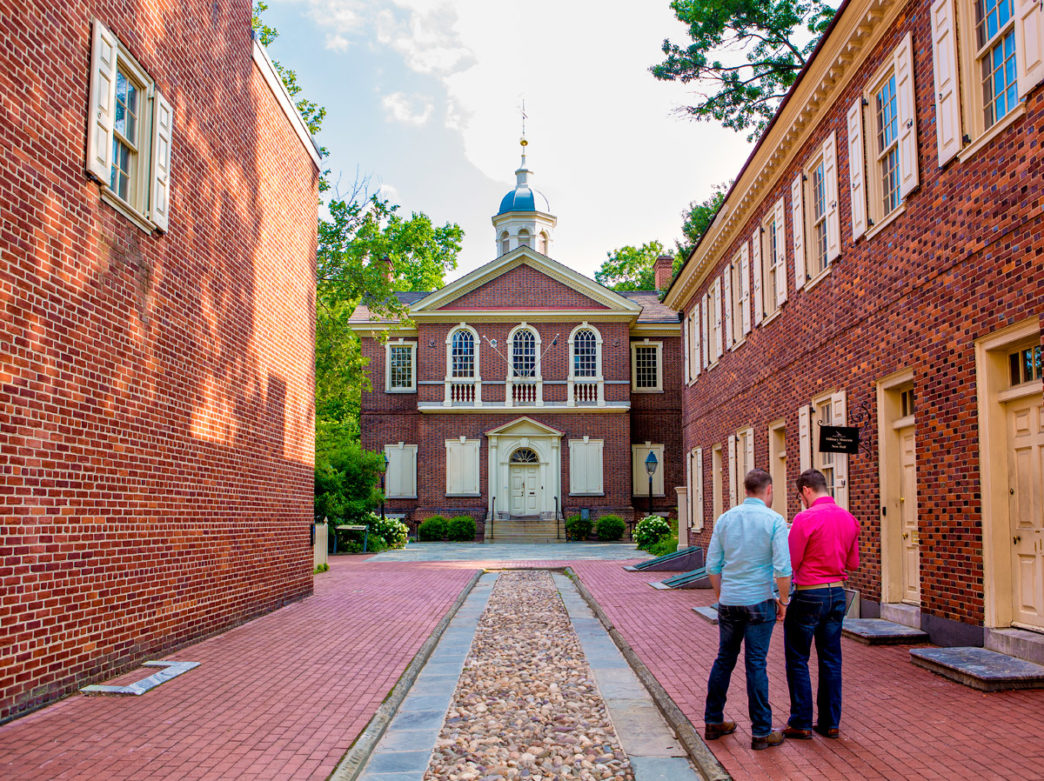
(824, 547)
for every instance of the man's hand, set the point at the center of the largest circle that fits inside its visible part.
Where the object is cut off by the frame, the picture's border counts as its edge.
(781, 610)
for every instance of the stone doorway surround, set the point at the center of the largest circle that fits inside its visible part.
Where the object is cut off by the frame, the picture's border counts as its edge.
(546, 442)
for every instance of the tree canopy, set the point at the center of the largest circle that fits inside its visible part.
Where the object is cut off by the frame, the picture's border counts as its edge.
(744, 55)
(698, 218)
(630, 268)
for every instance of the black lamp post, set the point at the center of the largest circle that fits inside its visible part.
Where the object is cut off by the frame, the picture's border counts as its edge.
(650, 466)
(386, 461)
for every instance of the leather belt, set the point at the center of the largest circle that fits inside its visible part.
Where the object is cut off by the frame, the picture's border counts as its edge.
(835, 584)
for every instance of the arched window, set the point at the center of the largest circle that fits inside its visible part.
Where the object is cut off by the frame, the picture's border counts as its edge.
(585, 353)
(523, 353)
(462, 354)
(524, 455)
(523, 238)
(543, 242)
(505, 243)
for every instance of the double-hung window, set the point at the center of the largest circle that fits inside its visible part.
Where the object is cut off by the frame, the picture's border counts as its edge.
(585, 376)
(524, 385)
(995, 55)
(646, 367)
(817, 227)
(772, 263)
(401, 367)
(463, 384)
(129, 134)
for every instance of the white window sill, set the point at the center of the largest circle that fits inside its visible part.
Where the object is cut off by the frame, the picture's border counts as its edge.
(770, 317)
(389, 496)
(585, 495)
(400, 390)
(819, 277)
(472, 496)
(885, 221)
(646, 390)
(998, 128)
(739, 344)
(126, 209)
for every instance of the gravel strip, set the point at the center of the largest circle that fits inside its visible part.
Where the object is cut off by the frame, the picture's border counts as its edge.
(526, 705)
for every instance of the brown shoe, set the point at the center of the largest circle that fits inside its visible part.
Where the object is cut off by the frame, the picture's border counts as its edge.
(715, 731)
(775, 738)
(797, 734)
(828, 732)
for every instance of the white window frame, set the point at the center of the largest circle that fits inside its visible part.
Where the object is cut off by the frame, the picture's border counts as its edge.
(828, 409)
(772, 264)
(537, 379)
(695, 484)
(388, 347)
(462, 390)
(573, 379)
(811, 272)
(465, 452)
(659, 366)
(589, 481)
(148, 202)
(716, 482)
(639, 475)
(396, 485)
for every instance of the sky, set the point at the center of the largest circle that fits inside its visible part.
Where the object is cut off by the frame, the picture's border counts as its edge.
(424, 101)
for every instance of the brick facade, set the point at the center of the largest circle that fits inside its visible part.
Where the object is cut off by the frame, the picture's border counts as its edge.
(553, 309)
(963, 260)
(154, 387)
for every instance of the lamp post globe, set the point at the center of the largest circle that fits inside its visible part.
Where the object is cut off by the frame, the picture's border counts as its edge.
(651, 462)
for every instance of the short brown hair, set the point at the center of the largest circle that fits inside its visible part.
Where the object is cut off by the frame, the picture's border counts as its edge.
(756, 481)
(814, 479)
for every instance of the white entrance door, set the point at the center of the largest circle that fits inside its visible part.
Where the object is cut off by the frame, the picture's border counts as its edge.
(1026, 508)
(525, 489)
(908, 515)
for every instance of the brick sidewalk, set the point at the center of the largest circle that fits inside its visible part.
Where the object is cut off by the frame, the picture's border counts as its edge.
(899, 721)
(282, 696)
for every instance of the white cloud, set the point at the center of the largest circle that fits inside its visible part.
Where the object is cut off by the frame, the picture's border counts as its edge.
(411, 109)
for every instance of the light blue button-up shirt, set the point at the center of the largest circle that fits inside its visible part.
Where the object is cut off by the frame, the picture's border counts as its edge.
(748, 549)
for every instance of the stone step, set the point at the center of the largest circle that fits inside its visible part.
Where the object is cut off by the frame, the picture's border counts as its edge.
(877, 631)
(696, 578)
(679, 561)
(708, 613)
(980, 668)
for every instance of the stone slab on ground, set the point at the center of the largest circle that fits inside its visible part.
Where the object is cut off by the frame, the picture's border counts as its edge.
(877, 631)
(708, 613)
(979, 668)
(682, 560)
(696, 578)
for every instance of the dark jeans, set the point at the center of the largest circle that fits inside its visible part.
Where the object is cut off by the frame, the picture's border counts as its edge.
(814, 614)
(750, 625)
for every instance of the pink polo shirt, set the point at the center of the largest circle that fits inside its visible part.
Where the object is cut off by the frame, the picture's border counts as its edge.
(824, 542)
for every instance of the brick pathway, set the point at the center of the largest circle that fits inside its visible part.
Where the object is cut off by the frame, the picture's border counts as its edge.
(899, 721)
(285, 695)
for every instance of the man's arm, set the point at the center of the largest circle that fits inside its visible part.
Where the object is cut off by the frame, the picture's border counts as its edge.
(715, 581)
(781, 565)
(797, 541)
(852, 560)
(715, 560)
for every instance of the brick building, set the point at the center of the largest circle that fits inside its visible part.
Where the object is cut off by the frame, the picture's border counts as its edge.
(157, 243)
(524, 390)
(879, 263)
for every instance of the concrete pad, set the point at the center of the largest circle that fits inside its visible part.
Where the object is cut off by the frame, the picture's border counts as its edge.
(399, 761)
(663, 769)
(877, 631)
(708, 613)
(426, 702)
(980, 668)
(410, 739)
(642, 730)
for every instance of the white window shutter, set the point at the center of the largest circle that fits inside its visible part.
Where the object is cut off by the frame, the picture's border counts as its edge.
(839, 418)
(856, 168)
(781, 252)
(694, 340)
(748, 442)
(719, 343)
(689, 466)
(101, 109)
(805, 437)
(697, 517)
(745, 285)
(833, 215)
(162, 133)
(755, 266)
(704, 320)
(1029, 45)
(797, 213)
(907, 115)
(732, 470)
(727, 284)
(687, 348)
(944, 68)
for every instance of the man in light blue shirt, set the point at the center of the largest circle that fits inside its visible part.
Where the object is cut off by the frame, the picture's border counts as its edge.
(748, 549)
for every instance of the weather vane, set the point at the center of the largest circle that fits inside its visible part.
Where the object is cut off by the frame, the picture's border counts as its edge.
(523, 141)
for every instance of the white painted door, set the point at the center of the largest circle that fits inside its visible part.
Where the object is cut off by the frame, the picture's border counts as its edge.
(908, 515)
(1026, 508)
(525, 489)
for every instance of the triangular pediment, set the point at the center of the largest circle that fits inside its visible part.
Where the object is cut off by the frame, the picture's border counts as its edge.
(509, 282)
(524, 427)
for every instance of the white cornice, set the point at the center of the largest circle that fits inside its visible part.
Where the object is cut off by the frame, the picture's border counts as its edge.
(656, 329)
(438, 409)
(516, 315)
(858, 28)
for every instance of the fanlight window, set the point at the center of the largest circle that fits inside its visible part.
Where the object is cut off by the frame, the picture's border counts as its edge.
(523, 354)
(463, 354)
(585, 354)
(524, 455)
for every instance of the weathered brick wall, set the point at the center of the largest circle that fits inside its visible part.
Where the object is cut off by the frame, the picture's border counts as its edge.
(964, 260)
(154, 389)
(524, 284)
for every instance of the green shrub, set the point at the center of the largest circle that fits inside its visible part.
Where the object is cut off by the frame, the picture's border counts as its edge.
(346, 483)
(577, 528)
(432, 529)
(664, 546)
(610, 528)
(324, 567)
(461, 529)
(393, 531)
(650, 530)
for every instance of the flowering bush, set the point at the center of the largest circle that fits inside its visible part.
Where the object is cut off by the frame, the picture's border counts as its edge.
(650, 530)
(393, 531)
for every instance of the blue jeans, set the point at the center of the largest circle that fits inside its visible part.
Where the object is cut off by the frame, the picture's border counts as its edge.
(750, 625)
(814, 614)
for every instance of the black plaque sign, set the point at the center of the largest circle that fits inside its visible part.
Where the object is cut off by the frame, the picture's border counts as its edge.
(838, 439)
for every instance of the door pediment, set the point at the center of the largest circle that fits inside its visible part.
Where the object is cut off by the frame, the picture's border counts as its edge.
(524, 427)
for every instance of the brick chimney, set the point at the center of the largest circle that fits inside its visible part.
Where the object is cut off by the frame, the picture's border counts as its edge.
(662, 271)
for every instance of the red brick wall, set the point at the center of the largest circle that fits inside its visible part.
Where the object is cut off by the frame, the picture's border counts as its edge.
(153, 388)
(964, 260)
(524, 283)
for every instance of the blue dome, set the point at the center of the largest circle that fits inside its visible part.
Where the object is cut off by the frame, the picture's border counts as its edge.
(523, 199)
